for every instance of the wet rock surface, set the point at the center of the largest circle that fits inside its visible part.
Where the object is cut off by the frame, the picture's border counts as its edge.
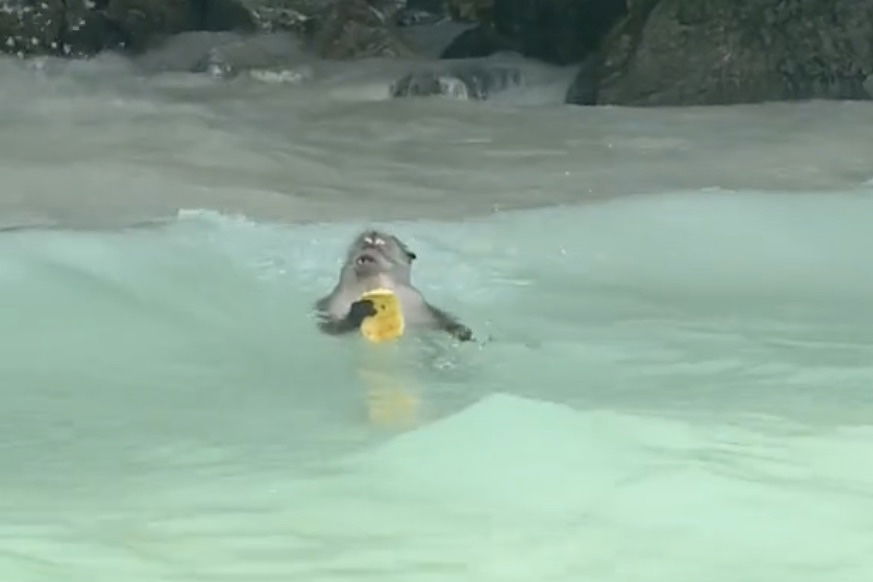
(422, 12)
(628, 52)
(359, 29)
(693, 52)
(29, 27)
(557, 31)
(554, 31)
(481, 41)
(85, 27)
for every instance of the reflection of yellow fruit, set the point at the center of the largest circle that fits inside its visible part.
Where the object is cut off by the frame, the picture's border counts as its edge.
(387, 323)
(391, 406)
(390, 403)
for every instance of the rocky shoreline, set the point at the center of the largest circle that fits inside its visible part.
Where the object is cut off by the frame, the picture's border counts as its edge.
(627, 52)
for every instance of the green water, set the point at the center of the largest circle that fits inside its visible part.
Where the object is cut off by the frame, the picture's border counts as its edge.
(639, 407)
(672, 383)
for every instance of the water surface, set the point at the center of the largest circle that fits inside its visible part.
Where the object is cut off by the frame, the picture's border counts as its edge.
(673, 308)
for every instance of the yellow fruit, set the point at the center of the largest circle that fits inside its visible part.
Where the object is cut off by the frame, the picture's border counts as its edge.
(387, 324)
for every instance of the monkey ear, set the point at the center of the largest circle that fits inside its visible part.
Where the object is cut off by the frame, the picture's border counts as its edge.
(409, 254)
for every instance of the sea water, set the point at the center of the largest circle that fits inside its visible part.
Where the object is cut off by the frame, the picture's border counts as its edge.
(671, 378)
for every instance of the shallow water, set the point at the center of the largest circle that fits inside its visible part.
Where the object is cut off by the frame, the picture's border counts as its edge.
(672, 378)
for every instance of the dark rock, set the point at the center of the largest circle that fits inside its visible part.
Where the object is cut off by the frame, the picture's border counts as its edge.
(470, 10)
(356, 29)
(462, 81)
(432, 6)
(388, 8)
(686, 52)
(583, 89)
(557, 31)
(28, 27)
(334, 28)
(422, 12)
(430, 41)
(480, 41)
(416, 18)
(140, 21)
(86, 30)
(275, 53)
(85, 27)
(223, 15)
(284, 15)
(337, 28)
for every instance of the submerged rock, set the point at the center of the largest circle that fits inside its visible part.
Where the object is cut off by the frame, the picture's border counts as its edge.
(465, 81)
(266, 54)
(690, 52)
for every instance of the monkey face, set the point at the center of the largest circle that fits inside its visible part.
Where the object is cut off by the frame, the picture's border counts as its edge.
(374, 252)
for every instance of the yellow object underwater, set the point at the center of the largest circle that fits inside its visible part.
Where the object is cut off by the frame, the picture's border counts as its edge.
(387, 324)
(389, 403)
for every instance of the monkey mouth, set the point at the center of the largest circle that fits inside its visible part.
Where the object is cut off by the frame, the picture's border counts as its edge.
(365, 260)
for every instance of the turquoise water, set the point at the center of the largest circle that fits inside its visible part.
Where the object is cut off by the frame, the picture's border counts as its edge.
(640, 407)
(674, 385)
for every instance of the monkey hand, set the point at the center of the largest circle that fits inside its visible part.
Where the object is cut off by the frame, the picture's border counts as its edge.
(461, 332)
(359, 310)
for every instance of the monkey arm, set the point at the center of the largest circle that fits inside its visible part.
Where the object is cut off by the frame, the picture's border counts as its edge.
(352, 321)
(450, 324)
